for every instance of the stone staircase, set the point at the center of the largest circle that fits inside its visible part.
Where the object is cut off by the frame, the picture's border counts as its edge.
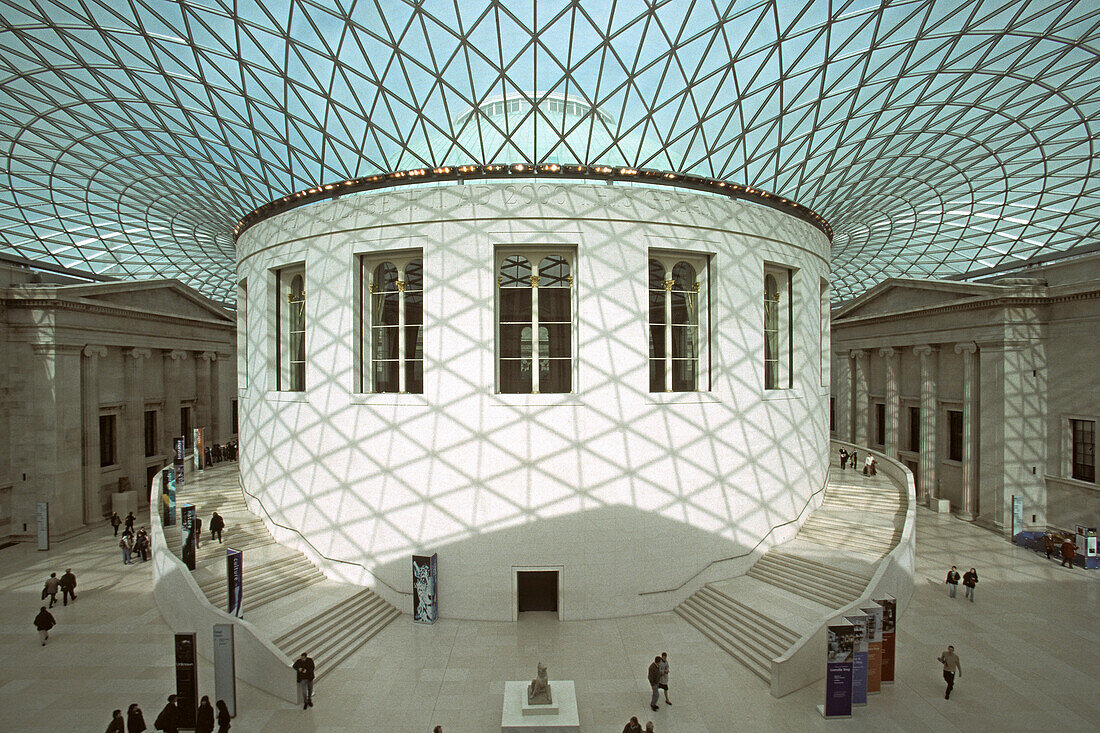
(298, 607)
(827, 566)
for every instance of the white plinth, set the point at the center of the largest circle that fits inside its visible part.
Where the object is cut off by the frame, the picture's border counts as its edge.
(566, 720)
(124, 503)
(940, 506)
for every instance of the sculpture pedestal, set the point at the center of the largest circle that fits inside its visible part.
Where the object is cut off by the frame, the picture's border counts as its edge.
(559, 717)
(123, 503)
(940, 506)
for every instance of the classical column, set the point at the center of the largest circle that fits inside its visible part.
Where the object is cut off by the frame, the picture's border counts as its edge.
(172, 368)
(970, 456)
(132, 439)
(89, 430)
(862, 397)
(205, 379)
(893, 399)
(929, 407)
(843, 395)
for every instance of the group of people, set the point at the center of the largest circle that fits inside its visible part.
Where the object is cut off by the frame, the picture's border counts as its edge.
(1068, 549)
(851, 458)
(44, 620)
(168, 719)
(969, 579)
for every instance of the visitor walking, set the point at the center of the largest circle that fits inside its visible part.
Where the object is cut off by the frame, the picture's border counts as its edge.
(204, 716)
(663, 684)
(118, 725)
(223, 716)
(950, 661)
(217, 524)
(970, 579)
(1048, 543)
(853, 460)
(303, 666)
(198, 531)
(843, 459)
(1069, 552)
(649, 726)
(654, 676)
(952, 582)
(633, 726)
(68, 586)
(50, 589)
(127, 545)
(130, 519)
(168, 718)
(44, 621)
(135, 719)
(116, 522)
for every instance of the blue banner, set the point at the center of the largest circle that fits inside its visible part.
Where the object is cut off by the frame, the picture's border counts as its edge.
(168, 496)
(234, 573)
(187, 533)
(859, 659)
(838, 672)
(425, 579)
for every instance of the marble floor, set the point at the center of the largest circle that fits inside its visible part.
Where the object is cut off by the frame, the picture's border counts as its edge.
(1029, 647)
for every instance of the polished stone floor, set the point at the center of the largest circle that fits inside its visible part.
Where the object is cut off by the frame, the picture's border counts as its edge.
(1029, 647)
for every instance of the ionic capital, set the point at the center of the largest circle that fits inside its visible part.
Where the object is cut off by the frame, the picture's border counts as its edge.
(138, 353)
(925, 350)
(857, 353)
(209, 355)
(92, 352)
(887, 352)
(177, 354)
(966, 347)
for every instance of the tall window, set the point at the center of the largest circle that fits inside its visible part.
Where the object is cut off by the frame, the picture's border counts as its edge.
(107, 440)
(290, 314)
(674, 330)
(150, 432)
(914, 429)
(824, 333)
(1083, 435)
(954, 435)
(185, 426)
(233, 416)
(242, 332)
(880, 423)
(394, 350)
(535, 323)
(778, 328)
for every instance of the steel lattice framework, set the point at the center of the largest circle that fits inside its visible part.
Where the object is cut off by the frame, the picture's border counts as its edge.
(938, 137)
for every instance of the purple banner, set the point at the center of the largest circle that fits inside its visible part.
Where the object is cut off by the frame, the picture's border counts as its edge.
(838, 672)
(859, 659)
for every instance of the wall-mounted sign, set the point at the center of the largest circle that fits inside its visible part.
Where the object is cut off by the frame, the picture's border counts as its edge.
(43, 525)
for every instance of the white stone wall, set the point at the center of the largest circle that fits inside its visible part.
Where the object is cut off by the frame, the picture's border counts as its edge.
(626, 490)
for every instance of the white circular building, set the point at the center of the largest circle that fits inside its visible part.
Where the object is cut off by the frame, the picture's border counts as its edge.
(615, 376)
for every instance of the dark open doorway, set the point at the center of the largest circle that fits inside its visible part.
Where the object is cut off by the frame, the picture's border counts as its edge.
(537, 590)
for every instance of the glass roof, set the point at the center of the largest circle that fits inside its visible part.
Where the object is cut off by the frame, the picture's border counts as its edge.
(938, 137)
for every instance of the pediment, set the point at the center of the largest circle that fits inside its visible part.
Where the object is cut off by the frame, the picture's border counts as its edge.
(898, 295)
(166, 297)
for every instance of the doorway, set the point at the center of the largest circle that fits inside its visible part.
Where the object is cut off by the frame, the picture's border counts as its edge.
(536, 589)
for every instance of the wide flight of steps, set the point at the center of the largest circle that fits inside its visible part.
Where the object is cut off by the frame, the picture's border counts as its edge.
(827, 566)
(300, 609)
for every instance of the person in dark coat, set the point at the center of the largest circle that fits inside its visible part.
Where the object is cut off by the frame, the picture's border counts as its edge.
(52, 584)
(952, 582)
(118, 725)
(68, 586)
(1069, 553)
(303, 667)
(654, 676)
(44, 621)
(633, 726)
(223, 716)
(198, 531)
(168, 718)
(116, 522)
(217, 524)
(970, 579)
(135, 719)
(130, 519)
(204, 717)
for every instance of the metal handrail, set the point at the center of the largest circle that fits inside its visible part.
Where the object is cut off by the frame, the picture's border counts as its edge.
(706, 567)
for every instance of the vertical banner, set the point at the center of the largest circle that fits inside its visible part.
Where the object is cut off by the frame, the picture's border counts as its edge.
(859, 659)
(187, 680)
(43, 525)
(1017, 515)
(187, 533)
(838, 672)
(425, 579)
(179, 453)
(889, 632)
(234, 575)
(225, 667)
(199, 444)
(874, 649)
(168, 496)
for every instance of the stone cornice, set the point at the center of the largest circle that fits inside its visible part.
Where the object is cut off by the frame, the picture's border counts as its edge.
(32, 303)
(969, 305)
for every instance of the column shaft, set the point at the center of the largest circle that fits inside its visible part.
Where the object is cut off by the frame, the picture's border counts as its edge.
(843, 395)
(893, 399)
(89, 429)
(862, 398)
(970, 455)
(929, 409)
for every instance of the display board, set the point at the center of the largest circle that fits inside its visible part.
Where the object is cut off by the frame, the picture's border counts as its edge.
(168, 496)
(187, 680)
(187, 535)
(874, 649)
(889, 633)
(234, 576)
(838, 671)
(43, 525)
(225, 667)
(859, 659)
(179, 455)
(425, 583)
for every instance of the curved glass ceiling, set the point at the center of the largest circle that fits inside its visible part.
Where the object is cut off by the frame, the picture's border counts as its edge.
(937, 137)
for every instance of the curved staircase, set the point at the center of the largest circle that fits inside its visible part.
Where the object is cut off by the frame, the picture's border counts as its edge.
(760, 615)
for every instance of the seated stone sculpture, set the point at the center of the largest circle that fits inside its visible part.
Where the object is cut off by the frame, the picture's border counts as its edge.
(538, 692)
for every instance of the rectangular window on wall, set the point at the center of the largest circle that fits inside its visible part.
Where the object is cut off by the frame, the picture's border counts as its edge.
(914, 429)
(242, 333)
(677, 322)
(880, 424)
(233, 416)
(832, 414)
(185, 425)
(535, 320)
(290, 319)
(778, 327)
(824, 333)
(107, 455)
(954, 435)
(391, 322)
(1083, 459)
(150, 432)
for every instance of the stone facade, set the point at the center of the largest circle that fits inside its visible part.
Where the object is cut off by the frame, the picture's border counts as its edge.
(974, 387)
(80, 362)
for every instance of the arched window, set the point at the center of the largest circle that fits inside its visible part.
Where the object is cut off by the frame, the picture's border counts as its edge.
(393, 353)
(771, 332)
(675, 338)
(530, 304)
(290, 315)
